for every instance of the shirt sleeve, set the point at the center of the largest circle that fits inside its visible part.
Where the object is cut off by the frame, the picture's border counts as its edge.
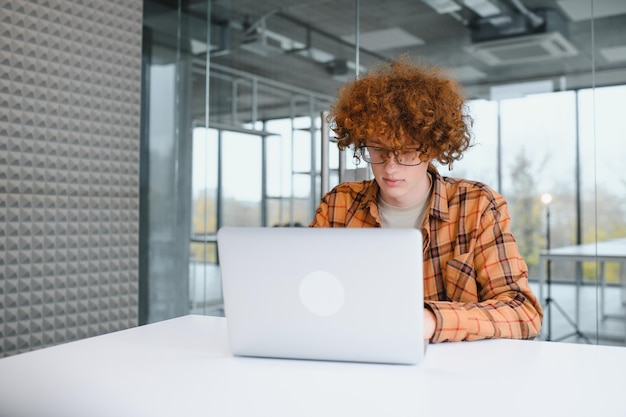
(346, 206)
(488, 287)
(321, 218)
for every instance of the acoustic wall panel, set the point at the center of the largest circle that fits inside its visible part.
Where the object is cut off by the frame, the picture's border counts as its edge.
(70, 78)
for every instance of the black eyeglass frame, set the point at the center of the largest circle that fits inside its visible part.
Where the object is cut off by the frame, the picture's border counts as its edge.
(363, 151)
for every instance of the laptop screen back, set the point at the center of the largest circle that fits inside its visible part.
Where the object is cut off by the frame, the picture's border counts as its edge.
(324, 293)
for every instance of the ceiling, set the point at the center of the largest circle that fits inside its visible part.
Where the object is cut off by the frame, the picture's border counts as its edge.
(484, 43)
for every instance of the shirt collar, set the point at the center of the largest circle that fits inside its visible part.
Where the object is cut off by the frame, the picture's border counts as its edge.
(439, 199)
(370, 198)
(438, 202)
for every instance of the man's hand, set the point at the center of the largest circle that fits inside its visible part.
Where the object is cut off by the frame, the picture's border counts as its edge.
(429, 324)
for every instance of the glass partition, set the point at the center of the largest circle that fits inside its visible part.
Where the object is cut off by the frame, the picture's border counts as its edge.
(546, 85)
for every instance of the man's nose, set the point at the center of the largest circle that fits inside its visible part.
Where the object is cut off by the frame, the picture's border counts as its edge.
(392, 156)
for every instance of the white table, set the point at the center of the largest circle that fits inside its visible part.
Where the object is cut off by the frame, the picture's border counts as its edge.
(601, 252)
(182, 367)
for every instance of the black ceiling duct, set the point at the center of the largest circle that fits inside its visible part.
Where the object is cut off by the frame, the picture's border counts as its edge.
(517, 24)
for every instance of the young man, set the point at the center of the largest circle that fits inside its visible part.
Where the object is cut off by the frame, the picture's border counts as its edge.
(398, 118)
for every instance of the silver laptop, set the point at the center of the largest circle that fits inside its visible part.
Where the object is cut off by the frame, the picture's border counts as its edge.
(340, 294)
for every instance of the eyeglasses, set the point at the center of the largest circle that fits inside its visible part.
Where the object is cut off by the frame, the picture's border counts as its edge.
(378, 155)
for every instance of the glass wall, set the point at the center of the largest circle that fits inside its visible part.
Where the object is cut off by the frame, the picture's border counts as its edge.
(245, 83)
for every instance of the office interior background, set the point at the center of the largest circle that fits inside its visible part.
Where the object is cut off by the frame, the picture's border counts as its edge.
(131, 131)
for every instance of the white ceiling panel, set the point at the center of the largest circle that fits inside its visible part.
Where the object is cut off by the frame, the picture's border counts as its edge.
(578, 10)
(380, 40)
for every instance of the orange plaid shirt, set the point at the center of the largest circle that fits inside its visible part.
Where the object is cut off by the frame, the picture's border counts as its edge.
(475, 280)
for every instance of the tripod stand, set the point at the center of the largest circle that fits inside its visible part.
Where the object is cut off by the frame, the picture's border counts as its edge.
(546, 199)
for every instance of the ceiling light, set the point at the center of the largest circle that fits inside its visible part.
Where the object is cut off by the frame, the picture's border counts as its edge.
(483, 8)
(523, 49)
(578, 10)
(467, 73)
(390, 38)
(443, 6)
(614, 53)
(517, 90)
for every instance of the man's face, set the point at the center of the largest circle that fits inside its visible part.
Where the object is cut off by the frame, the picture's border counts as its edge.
(400, 185)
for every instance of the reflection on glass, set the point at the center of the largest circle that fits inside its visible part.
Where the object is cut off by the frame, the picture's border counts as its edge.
(302, 151)
(241, 179)
(480, 162)
(288, 212)
(204, 182)
(602, 175)
(278, 158)
(281, 79)
(539, 157)
(205, 287)
(302, 186)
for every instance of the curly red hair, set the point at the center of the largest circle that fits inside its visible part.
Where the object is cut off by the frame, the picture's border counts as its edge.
(404, 104)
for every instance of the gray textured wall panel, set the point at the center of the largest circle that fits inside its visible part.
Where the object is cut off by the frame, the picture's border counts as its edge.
(70, 79)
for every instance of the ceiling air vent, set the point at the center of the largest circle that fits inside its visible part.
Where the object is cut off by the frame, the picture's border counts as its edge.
(523, 49)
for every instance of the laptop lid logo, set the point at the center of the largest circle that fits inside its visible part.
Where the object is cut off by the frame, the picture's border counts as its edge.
(322, 293)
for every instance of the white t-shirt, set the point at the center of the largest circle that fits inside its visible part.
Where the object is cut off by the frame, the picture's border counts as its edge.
(404, 217)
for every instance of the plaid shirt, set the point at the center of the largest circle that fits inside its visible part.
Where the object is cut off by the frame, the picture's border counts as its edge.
(475, 280)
